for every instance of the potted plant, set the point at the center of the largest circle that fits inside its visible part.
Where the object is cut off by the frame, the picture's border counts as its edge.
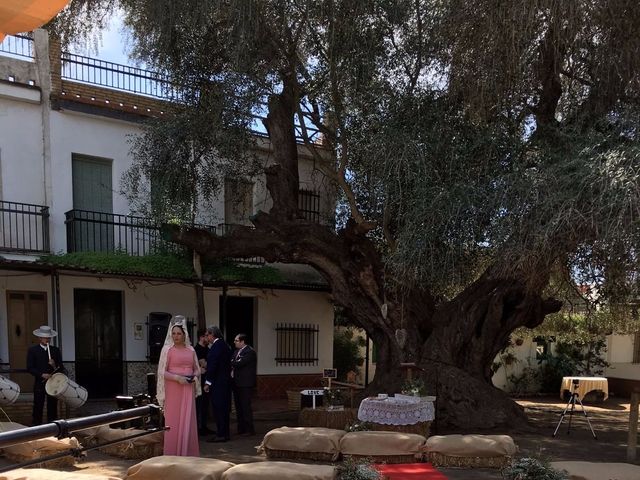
(414, 387)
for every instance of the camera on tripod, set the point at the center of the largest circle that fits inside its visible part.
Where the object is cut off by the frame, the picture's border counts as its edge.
(576, 383)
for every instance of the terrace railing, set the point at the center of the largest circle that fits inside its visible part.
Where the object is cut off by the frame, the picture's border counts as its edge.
(117, 76)
(17, 46)
(24, 228)
(89, 231)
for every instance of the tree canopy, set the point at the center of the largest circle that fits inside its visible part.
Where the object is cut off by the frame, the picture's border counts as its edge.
(479, 149)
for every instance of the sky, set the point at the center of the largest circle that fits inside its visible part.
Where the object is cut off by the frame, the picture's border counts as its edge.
(111, 47)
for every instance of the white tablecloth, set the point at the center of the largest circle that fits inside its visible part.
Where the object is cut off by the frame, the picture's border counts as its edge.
(585, 385)
(396, 411)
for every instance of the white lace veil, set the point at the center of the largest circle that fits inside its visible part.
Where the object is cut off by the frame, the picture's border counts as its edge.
(162, 363)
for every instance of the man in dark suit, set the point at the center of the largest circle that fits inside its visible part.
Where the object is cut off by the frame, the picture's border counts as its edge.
(43, 360)
(243, 373)
(202, 401)
(217, 382)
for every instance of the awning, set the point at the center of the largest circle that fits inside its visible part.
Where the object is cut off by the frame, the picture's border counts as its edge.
(18, 16)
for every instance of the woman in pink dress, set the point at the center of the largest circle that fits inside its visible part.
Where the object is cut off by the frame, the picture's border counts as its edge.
(179, 372)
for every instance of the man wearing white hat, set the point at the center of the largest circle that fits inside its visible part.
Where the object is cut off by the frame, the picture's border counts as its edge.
(43, 360)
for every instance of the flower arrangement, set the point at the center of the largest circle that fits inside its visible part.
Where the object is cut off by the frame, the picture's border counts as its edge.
(333, 396)
(415, 387)
(359, 427)
(527, 468)
(361, 469)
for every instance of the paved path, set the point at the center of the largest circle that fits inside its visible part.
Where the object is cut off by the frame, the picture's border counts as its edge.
(610, 421)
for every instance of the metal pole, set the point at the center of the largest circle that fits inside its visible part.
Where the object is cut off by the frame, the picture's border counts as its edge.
(64, 428)
(366, 360)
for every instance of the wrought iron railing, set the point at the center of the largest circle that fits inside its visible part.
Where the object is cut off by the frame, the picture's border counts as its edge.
(89, 231)
(117, 76)
(24, 227)
(17, 45)
(309, 205)
(297, 344)
(227, 228)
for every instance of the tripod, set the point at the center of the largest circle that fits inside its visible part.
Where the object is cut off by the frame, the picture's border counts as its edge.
(575, 397)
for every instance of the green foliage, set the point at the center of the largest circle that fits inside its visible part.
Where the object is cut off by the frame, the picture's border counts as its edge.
(346, 351)
(527, 468)
(359, 427)
(415, 387)
(230, 272)
(360, 469)
(165, 266)
(161, 266)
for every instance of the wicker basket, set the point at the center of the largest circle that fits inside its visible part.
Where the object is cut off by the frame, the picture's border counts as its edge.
(290, 454)
(440, 460)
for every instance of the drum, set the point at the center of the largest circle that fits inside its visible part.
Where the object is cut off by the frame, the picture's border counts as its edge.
(9, 391)
(65, 389)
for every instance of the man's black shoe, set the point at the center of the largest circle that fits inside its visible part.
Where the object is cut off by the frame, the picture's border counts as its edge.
(217, 440)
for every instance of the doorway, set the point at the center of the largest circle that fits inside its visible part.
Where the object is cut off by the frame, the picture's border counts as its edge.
(26, 311)
(98, 332)
(236, 316)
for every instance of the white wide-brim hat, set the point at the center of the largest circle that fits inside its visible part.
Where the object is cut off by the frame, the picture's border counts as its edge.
(45, 331)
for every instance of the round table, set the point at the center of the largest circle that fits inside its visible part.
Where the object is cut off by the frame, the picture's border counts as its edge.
(585, 385)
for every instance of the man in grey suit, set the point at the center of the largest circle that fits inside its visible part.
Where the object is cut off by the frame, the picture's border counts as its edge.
(243, 371)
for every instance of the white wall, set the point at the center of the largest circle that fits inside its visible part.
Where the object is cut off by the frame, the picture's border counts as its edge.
(21, 152)
(620, 355)
(525, 357)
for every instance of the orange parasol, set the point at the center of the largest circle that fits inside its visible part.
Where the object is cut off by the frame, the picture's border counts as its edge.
(24, 15)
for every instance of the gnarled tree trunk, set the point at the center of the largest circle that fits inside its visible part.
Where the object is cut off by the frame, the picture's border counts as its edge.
(453, 343)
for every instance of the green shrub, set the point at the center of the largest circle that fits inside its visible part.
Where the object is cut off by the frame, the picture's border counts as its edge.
(532, 469)
(358, 470)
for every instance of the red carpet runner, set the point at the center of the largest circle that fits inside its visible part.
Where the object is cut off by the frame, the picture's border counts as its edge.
(410, 471)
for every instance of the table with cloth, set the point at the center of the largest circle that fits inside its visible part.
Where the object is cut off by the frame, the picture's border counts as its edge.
(585, 385)
(401, 413)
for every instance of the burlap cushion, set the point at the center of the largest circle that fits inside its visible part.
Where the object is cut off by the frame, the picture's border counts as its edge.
(304, 439)
(41, 447)
(381, 443)
(46, 474)
(472, 445)
(599, 471)
(170, 467)
(106, 434)
(280, 471)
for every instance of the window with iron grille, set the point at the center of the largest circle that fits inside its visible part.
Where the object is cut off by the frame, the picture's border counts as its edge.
(297, 344)
(309, 205)
(636, 348)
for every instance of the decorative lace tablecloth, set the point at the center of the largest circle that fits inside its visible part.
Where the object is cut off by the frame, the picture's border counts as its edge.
(396, 411)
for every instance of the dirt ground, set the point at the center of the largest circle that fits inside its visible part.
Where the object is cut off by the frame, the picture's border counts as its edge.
(609, 420)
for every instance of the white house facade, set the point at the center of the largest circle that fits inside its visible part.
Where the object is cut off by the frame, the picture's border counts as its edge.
(63, 149)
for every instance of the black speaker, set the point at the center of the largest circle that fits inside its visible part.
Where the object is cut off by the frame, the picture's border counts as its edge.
(158, 323)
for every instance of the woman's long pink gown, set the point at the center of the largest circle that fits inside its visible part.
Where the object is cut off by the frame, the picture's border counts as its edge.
(180, 407)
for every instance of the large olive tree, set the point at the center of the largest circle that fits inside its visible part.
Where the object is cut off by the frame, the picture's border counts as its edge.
(479, 149)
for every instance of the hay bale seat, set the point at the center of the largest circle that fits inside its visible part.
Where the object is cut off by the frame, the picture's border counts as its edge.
(171, 467)
(303, 443)
(136, 448)
(280, 471)
(383, 447)
(46, 474)
(599, 470)
(470, 451)
(420, 428)
(323, 417)
(34, 449)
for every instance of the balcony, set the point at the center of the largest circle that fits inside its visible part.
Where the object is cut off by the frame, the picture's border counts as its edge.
(89, 231)
(24, 228)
